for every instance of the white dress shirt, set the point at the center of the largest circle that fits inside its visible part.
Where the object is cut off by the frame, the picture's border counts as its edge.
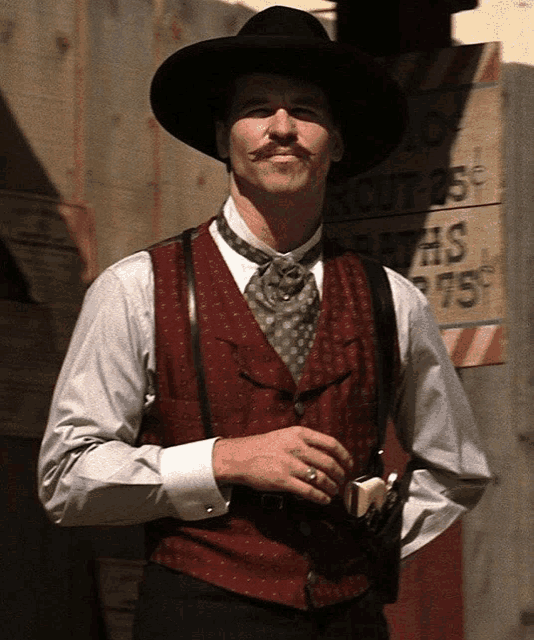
(92, 473)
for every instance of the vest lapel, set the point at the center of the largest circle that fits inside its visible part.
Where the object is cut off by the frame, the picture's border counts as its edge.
(332, 356)
(232, 321)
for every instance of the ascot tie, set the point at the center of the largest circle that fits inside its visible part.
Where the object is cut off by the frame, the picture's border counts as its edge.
(283, 296)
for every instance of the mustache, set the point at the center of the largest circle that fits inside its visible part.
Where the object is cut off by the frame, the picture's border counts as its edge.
(274, 148)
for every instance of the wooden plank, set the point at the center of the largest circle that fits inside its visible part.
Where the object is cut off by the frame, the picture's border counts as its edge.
(36, 76)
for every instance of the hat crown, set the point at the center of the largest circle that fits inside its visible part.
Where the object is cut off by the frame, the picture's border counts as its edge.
(284, 21)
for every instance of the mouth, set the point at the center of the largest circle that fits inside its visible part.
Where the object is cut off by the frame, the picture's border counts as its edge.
(279, 154)
(284, 156)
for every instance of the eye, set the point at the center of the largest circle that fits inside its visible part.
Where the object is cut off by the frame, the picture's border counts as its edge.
(306, 113)
(255, 110)
(258, 112)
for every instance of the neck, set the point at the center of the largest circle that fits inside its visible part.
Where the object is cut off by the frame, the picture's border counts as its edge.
(283, 221)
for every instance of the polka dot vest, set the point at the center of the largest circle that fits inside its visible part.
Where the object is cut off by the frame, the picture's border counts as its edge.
(280, 557)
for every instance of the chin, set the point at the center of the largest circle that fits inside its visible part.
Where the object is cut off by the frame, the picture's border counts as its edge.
(285, 188)
(278, 183)
(286, 183)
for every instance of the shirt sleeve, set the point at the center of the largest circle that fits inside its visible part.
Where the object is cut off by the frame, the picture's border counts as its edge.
(434, 424)
(91, 471)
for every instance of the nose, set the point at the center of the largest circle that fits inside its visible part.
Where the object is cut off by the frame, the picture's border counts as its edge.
(282, 125)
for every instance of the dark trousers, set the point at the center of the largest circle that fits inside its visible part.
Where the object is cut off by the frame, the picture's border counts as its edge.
(173, 606)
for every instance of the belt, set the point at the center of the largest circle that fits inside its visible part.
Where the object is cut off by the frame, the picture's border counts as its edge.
(267, 500)
(270, 502)
(326, 534)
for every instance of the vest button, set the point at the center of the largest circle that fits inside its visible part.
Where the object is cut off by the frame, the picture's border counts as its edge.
(311, 577)
(299, 408)
(305, 528)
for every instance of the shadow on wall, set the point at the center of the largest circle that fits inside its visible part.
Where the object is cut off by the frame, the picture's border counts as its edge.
(20, 172)
(40, 283)
(20, 169)
(46, 573)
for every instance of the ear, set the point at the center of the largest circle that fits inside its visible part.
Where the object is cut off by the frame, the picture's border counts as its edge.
(338, 147)
(221, 138)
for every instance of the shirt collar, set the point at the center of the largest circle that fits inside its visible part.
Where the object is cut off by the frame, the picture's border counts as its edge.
(239, 226)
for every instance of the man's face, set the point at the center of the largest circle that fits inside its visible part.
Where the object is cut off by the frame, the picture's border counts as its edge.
(279, 135)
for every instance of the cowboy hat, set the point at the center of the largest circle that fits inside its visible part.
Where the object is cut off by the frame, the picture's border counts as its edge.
(189, 90)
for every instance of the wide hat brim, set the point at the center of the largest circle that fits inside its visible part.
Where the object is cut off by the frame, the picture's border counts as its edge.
(190, 88)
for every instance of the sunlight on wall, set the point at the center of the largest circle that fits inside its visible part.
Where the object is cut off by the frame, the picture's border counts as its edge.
(509, 21)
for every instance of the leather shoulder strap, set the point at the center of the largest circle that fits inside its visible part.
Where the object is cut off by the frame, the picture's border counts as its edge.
(203, 398)
(385, 349)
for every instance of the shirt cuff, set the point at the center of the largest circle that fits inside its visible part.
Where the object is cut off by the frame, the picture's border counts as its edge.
(189, 481)
(427, 513)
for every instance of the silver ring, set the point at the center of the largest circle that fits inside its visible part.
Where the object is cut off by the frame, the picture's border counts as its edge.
(311, 474)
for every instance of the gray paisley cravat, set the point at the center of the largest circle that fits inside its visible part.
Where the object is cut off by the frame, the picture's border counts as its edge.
(283, 297)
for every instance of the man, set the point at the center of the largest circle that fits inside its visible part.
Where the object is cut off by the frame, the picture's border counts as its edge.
(244, 534)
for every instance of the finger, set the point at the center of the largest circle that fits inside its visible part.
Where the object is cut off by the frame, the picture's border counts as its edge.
(329, 445)
(322, 482)
(307, 491)
(328, 466)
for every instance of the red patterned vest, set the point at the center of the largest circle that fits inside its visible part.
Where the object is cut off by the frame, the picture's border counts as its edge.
(270, 555)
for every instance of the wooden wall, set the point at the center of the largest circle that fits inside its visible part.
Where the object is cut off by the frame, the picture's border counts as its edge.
(498, 535)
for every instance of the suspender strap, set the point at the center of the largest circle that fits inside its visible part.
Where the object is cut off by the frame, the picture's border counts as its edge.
(385, 350)
(203, 399)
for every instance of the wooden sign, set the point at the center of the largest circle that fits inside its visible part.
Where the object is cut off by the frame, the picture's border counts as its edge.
(433, 210)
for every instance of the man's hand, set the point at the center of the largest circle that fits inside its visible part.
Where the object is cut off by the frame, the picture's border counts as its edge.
(278, 461)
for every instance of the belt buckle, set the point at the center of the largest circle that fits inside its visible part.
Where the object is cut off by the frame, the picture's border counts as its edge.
(272, 501)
